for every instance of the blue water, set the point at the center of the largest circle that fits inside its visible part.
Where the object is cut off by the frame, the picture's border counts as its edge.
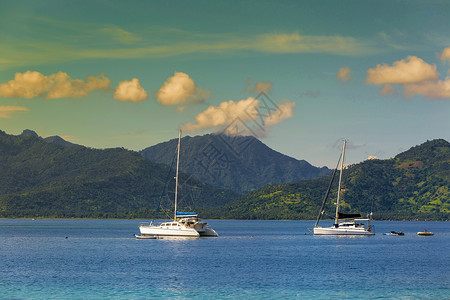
(251, 259)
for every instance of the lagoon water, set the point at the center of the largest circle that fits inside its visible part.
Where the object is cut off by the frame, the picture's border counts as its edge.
(100, 259)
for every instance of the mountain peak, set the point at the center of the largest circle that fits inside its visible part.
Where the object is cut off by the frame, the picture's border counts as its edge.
(240, 163)
(29, 132)
(51, 139)
(425, 151)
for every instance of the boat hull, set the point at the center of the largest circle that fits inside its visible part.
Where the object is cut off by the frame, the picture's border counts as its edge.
(425, 233)
(341, 231)
(208, 232)
(149, 230)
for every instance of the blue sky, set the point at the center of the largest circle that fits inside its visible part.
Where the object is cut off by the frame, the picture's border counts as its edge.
(129, 73)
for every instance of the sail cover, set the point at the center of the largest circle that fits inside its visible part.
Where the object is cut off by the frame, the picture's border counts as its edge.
(348, 216)
(180, 213)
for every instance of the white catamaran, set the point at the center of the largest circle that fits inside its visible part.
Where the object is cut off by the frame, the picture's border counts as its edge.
(184, 224)
(352, 225)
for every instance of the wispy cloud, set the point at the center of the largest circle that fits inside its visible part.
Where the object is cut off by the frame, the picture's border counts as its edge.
(61, 41)
(7, 111)
(120, 35)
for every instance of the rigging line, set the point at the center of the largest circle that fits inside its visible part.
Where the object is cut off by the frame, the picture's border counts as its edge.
(321, 211)
(164, 188)
(371, 208)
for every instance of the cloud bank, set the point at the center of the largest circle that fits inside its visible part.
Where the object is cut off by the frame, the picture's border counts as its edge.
(32, 84)
(181, 89)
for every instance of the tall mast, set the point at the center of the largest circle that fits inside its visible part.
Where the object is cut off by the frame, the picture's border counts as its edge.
(339, 188)
(176, 176)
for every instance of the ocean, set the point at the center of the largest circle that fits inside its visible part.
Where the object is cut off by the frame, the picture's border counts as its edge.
(100, 259)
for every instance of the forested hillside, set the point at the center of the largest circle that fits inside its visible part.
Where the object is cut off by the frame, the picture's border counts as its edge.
(38, 178)
(413, 185)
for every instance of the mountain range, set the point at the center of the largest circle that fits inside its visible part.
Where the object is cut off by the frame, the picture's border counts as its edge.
(51, 178)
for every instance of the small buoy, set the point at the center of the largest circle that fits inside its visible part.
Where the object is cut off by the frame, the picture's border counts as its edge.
(67, 237)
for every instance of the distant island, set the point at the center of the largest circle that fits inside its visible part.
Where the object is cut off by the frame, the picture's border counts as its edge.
(53, 178)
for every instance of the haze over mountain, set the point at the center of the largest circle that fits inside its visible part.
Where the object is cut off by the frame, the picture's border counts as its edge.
(413, 185)
(240, 163)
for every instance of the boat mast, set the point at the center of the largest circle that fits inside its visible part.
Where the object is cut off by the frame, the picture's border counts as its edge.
(176, 176)
(339, 188)
(322, 210)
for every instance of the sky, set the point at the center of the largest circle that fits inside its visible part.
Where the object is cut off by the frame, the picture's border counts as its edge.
(299, 75)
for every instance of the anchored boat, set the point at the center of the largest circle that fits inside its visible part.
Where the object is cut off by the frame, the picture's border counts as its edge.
(353, 224)
(425, 233)
(184, 224)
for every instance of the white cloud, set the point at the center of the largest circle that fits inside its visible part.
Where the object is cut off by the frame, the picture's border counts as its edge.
(181, 89)
(65, 87)
(32, 84)
(284, 111)
(7, 111)
(409, 70)
(414, 75)
(432, 89)
(225, 114)
(130, 90)
(344, 74)
(27, 85)
(247, 111)
(445, 56)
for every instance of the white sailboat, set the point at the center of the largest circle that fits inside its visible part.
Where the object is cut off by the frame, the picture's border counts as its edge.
(184, 224)
(353, 225)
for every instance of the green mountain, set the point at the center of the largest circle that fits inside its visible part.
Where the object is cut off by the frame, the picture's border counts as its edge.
(413, 185)
(240, 163)
(41, 178)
